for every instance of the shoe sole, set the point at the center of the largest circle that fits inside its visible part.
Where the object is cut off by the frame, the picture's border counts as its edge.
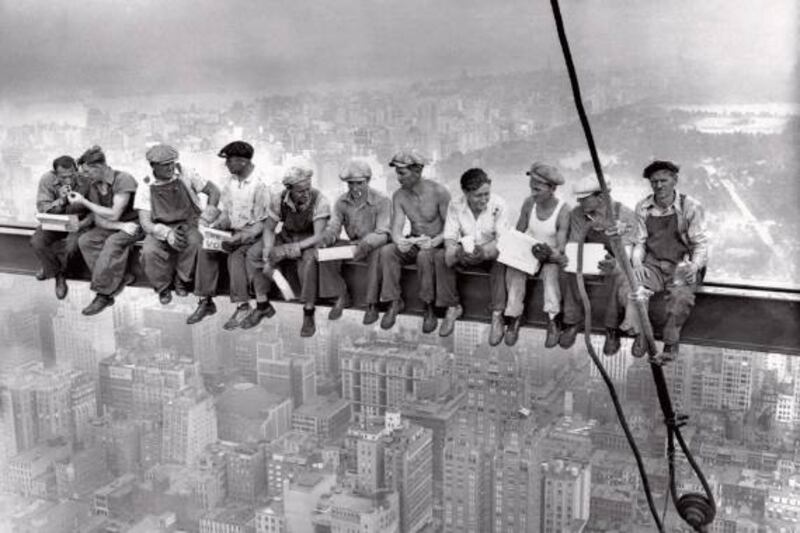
(449, 331)
(209, 313)
(93, 313)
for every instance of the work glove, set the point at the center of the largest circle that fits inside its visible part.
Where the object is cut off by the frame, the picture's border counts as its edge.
(178, 237)
(607, 265)
(542, 251)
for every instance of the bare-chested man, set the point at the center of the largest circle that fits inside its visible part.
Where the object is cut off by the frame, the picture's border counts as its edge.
(424, 203)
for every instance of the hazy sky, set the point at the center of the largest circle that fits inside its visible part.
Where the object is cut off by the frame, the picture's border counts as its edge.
(130, 46)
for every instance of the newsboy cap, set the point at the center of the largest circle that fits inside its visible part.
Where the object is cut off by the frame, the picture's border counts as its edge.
(545, 173)
(587, 186)
(92, 155)
(355, 170)
(407, 158)
(237, 149)
(161, 154)
(296, 174)
(657, 165)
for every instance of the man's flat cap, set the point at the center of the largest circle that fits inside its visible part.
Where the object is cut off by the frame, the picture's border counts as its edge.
(296, 174)
(161, 154)
(355, 170)
(657, 165)
(587, 186)
(545, 173)
(237, 149)
(407, 158)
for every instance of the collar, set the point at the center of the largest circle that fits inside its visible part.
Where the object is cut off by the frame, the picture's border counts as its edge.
(650, 202)
(287, 200)
(372, 197)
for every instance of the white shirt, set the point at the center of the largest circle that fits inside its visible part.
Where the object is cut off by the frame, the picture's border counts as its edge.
(245, 201)
(461, 222)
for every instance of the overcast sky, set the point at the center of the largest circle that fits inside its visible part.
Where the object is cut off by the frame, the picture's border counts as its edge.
(56, 47)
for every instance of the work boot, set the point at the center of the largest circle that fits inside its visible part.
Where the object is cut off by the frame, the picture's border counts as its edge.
(61, 286)
(338, 308)
(40, 275)
(498, 328)
(100, 302)
(165, 297)
(612, 344)
(181, 288)
(389, 317)
(370, 315)
(553, 333)
(639, 347)
(257, 315)
(205, 307)
(429, 320)
(237, 317)
(512, 333)
(568, 335)
(309, 327)
(449, 322)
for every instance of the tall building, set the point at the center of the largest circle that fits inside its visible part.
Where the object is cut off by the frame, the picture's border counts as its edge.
(246, 472)
(351, 513)
(137, 385)
(190, 424)
(408, 470)
(440, 416)
(249, 413)
(327, 417)
(382, 375)
(467, 488)
(468, 336)
(22, 338)
(39, 404)
(245, 346)
(293, 376)
(515, 486)
(80, 341)
(301, 496)
(737, 379)
(565, 495)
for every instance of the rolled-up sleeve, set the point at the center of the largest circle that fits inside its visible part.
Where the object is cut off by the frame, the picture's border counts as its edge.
(640, 218)
(452, 226)
(383, 221)
(322, 209)
(44, 194)
(262, 202)
(142, 199)
(197, 181)
(696, 232)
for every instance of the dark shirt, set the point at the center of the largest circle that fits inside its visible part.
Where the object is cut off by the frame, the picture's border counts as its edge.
(48, 199)
(115, 182)
(368, 220)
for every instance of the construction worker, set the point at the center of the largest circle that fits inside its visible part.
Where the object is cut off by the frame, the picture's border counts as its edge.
(365, 215)
(244, 202)
(424, 203)
(55, 249)
(106, 246)
(546, 218)
(587, 223)
(670, 254)
(169, 209)
(474, 224)
(304, 212)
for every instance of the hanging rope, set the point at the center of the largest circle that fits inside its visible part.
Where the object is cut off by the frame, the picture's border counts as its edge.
(698, 510)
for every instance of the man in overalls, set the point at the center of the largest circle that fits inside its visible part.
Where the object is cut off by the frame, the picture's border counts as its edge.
(670, 254)
(304, 212)
(587, 223)
(244, 202)
(169, 209)
(106, 246)
(55, 248)
(546, 218)
(365, 214)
